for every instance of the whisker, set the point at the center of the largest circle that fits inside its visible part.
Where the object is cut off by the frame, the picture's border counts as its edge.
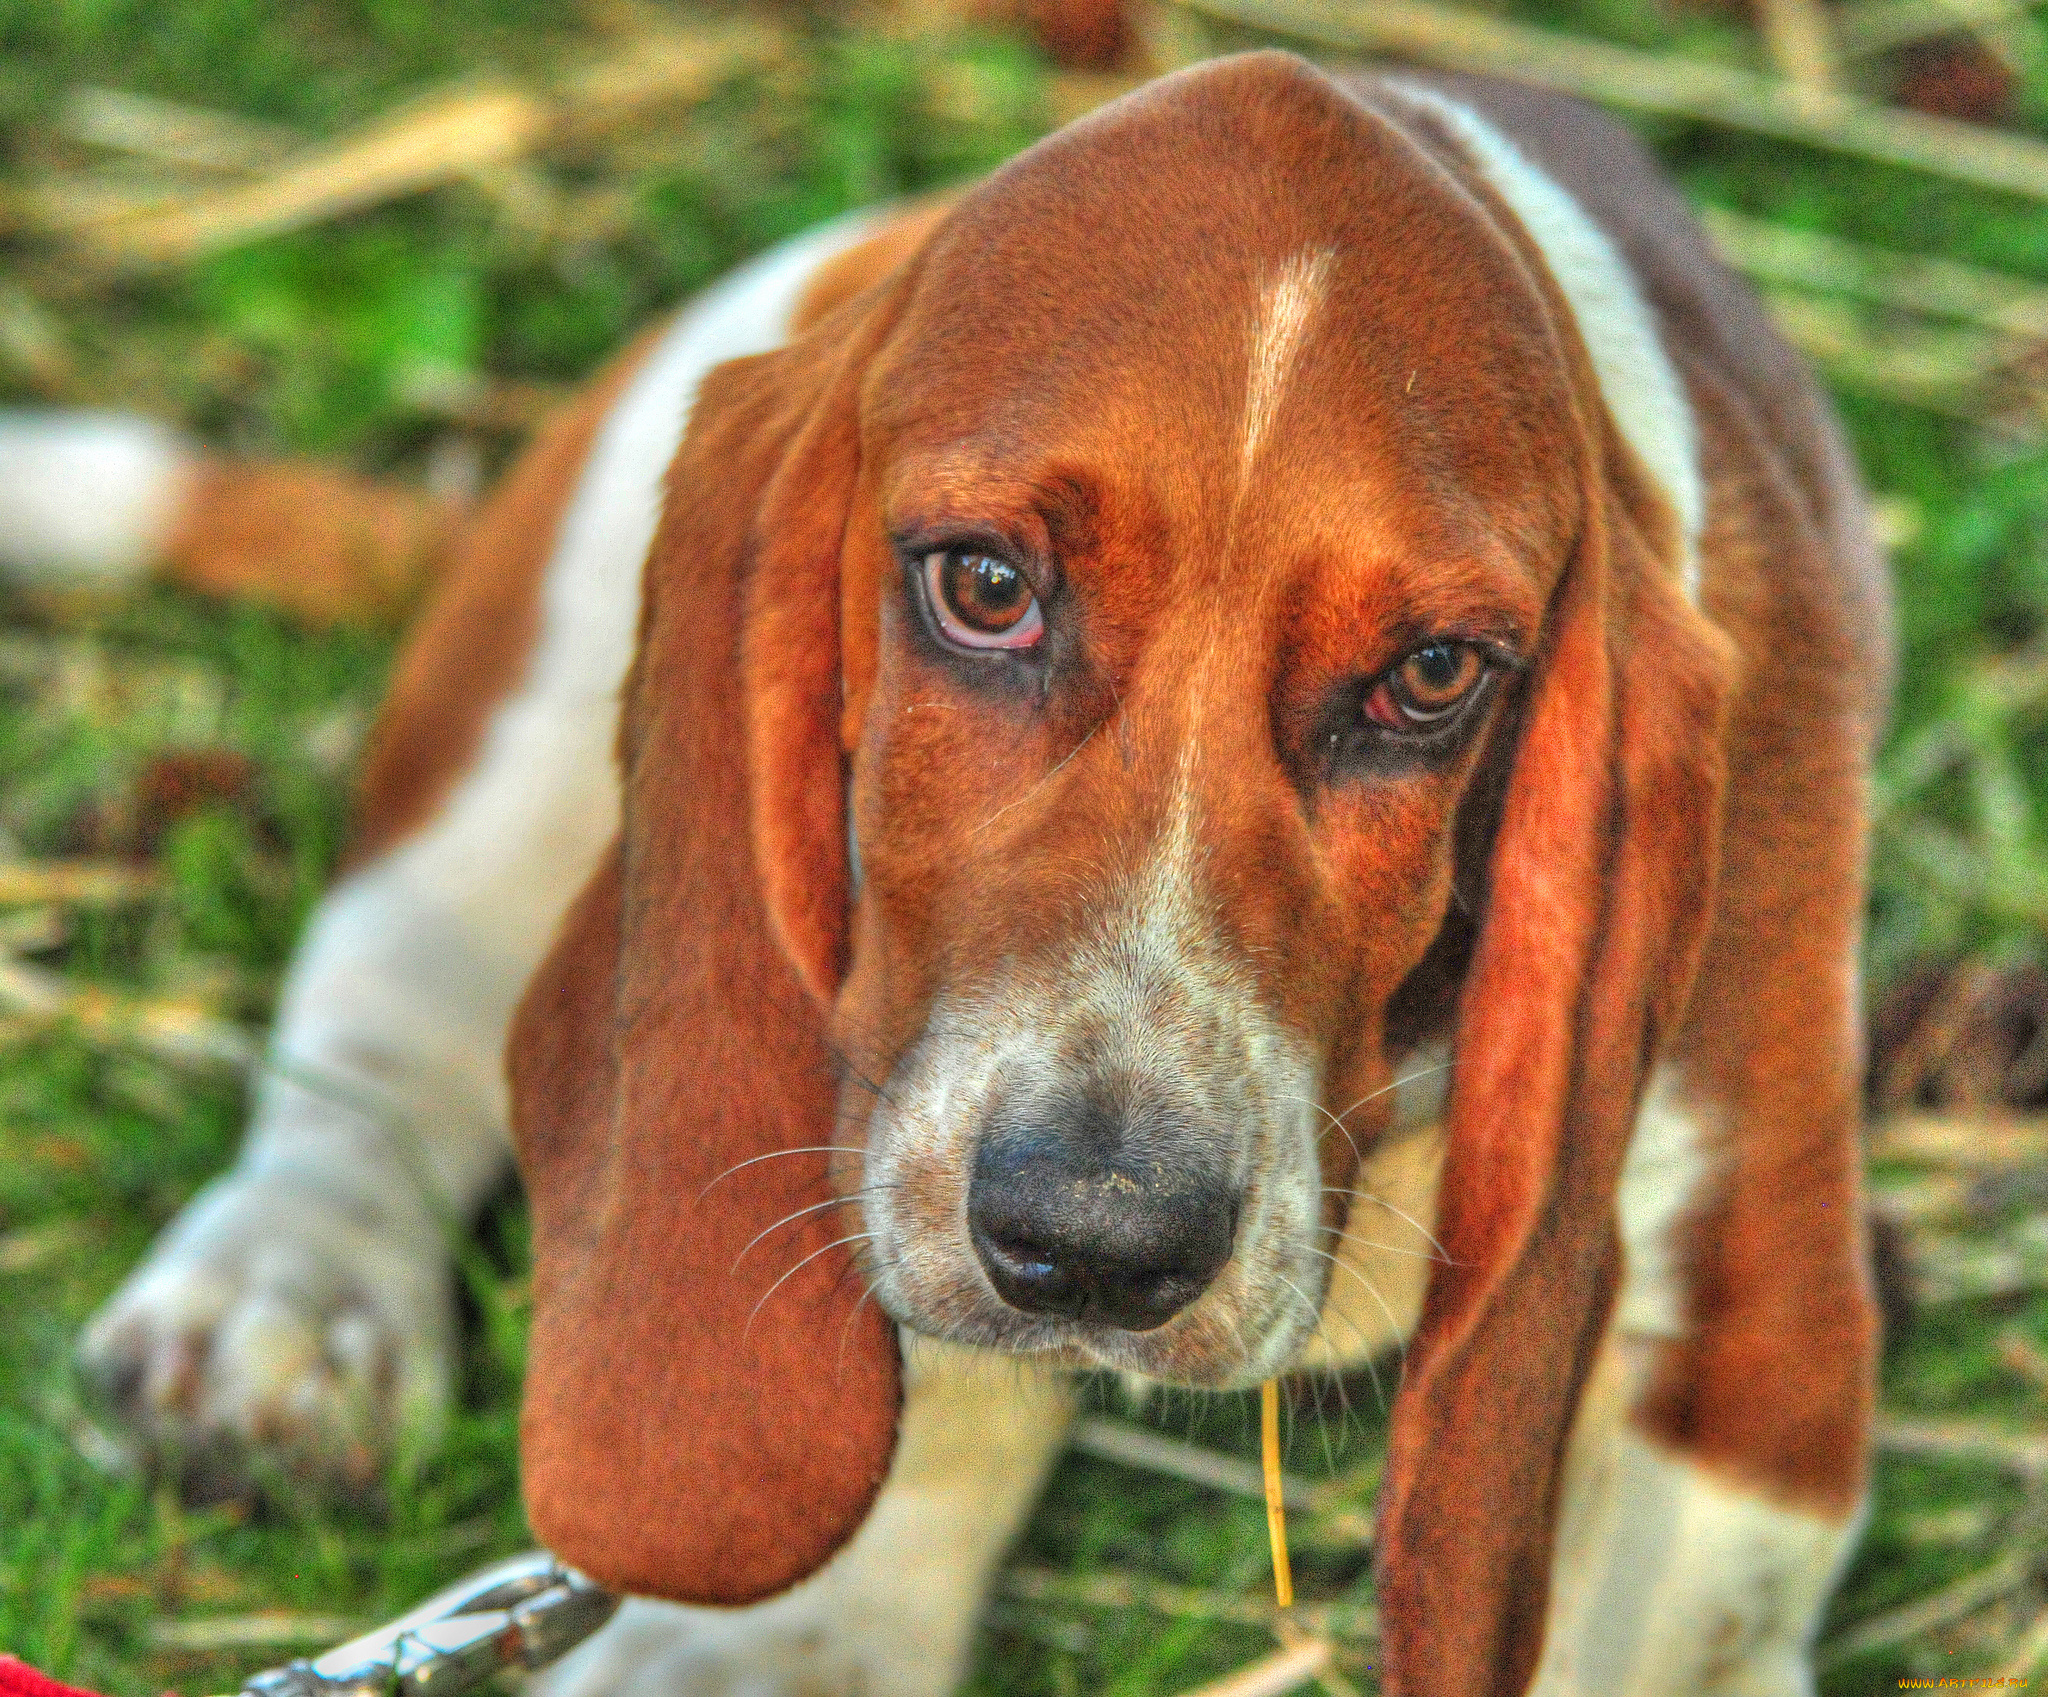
(776, 1155)
(846, 1331)
(1357, 1331)
(1411, 1078)
(1337, 1120)
(836, 1243)
(1402, 1214)
(838, 1049)
(1333, 1119)
(1316, 1314)
(1367, 1355)
(1322, 1425)
(848, 1070)
(1042, 782)
(1414, 1077)
(1244, 1350)
(1349, 1236)
(845, 1201)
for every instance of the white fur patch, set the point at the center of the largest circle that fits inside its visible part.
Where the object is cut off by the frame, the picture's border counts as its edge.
(1161, 937)
(1286, 305)
(1671, 1582)
(1146, 995)
(88, 499)
(1660, 1181)
(1422, 1087)
(1644, 395)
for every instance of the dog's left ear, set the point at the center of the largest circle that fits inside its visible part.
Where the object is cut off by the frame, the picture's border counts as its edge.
(711, 1403)
(1601, 882)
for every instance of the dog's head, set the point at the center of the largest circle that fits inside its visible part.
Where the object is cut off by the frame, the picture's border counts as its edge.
(1105, 694)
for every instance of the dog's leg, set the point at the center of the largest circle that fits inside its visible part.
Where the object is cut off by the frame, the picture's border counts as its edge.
(1713, 1488)
(1717, 1472)
(894, 1611)
(302, 1305)
(303, 1302)
(1672, 1577)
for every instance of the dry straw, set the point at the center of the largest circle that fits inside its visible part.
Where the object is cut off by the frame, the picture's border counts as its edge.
(1276, 1491)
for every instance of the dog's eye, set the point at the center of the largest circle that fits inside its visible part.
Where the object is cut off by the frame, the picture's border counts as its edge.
(1427, 688)
(981, 600)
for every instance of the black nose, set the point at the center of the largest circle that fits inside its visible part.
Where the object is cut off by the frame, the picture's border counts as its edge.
(1068, 1222)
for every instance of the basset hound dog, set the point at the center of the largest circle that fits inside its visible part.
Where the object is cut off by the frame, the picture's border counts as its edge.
(1244, 744)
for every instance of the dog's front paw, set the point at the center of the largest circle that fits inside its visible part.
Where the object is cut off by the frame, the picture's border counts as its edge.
(273, 1327)
(799, 1645)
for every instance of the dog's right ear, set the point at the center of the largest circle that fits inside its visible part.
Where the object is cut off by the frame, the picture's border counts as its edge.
(711, 1403)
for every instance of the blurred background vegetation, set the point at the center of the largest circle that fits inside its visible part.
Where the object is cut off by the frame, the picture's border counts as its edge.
(174, 773)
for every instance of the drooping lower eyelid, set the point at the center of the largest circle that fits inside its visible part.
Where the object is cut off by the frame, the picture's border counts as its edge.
(1442, 723)
(1440, 714)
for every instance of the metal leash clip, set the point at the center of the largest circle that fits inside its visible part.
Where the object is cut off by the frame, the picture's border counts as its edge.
(525, 1612)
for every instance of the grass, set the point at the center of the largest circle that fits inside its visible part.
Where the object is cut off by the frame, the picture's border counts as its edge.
(313, 343)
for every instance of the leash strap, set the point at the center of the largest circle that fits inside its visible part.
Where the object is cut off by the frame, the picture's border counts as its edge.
(525, 1612)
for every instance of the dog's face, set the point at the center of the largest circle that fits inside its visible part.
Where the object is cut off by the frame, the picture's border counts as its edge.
(1203, 570)
(1198, 612)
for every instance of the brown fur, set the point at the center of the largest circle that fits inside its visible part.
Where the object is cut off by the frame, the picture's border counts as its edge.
(859, 268)
(1795, 582)
(306, 539)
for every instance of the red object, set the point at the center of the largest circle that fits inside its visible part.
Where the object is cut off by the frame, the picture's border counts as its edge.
(18, 1679)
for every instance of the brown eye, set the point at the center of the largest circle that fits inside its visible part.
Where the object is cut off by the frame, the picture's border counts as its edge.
(1426, 688)
(981, 600)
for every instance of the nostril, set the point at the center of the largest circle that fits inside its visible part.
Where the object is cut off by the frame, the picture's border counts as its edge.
(1028, 1275)
(1024, 1260)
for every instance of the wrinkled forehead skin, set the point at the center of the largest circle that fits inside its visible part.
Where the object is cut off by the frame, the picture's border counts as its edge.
(1098, 305)
(1278, 397)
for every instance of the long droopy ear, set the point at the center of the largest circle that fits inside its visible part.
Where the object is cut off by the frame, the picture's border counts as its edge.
(709, 1417)
(1601, 880)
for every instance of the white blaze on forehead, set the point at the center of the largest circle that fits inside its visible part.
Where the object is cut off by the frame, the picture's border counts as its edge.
(1286, 304)
(1157, 932)
(1644, 395)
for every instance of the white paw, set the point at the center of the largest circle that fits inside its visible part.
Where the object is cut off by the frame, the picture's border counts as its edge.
(792, 1646)
(276, 1327)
